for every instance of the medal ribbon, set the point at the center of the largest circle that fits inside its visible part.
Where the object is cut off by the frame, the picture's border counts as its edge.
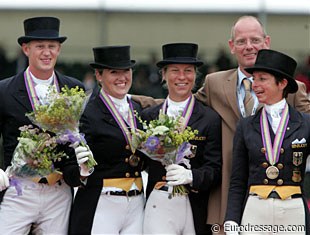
(188, 110)
(273, 152)
(119, 119)
(32, 95)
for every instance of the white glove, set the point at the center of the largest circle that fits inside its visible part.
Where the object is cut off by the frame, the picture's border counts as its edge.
(231, 227)
(4, 180)
(82, 155)
(178, 175)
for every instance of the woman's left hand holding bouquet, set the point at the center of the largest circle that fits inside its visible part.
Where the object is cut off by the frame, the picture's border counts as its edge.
(178, 175)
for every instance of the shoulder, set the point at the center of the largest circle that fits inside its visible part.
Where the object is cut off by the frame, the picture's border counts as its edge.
(206, 110)
(220, 74)
(70, 81)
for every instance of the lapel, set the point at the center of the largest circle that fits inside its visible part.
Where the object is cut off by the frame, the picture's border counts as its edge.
(293, 124)
(230, 90)
(195, 114)
(21, 95)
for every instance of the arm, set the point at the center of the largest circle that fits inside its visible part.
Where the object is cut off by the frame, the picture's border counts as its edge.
(300, 100)
(203, 93)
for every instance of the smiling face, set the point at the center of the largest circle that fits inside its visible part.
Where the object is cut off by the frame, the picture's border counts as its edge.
(247, 39)
(115, 82)
(266, 88)
(42, 56)
(180, 80)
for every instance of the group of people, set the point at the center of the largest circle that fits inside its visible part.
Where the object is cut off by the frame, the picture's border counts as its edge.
(250, 151)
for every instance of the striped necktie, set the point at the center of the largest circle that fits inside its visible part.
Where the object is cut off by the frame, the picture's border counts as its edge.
(248, 99)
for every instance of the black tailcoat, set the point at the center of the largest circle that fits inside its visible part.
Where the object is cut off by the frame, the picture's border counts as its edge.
(248, 168)
(108, 145)
(206, 165)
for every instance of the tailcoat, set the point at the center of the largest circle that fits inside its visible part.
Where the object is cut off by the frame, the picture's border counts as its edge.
(249, 159)
(205, 165)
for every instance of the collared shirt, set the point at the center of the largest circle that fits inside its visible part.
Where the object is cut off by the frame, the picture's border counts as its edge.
(41, 87)
(122, 106)
(241, 94)
(176, 108)
(274, 113)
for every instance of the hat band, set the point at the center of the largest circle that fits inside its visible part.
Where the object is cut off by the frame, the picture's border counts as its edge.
(43, 33)
(181, 58)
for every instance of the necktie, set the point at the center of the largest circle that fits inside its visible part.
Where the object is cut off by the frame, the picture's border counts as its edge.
(248, 99)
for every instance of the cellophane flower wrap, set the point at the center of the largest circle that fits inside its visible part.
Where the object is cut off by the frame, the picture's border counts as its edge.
(61, 115)
(166, 140)
(35, 154)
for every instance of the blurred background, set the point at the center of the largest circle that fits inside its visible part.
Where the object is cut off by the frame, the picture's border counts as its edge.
(148, 24)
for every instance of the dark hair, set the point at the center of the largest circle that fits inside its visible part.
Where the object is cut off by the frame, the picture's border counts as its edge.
(278, 80)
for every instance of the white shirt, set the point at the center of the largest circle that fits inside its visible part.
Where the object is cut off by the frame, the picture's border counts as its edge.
(176, 109)
(41, 87)
(274, 113)
(122, 106)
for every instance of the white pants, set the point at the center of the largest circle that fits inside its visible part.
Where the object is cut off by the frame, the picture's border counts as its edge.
(119, 215)
(288, 214)
(44, 207)
(168, 215)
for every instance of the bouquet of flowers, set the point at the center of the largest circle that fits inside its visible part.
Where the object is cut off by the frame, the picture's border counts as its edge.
(61, 116)
(35, 154)
(166, 140)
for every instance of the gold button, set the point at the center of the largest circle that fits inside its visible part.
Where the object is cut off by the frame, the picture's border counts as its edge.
(127, 147)
(127, 174)
(282, 150)
(136, 173)
(265, 181)
(280, 181)
(263, 150)
(126, 159)
(280, 166)
(163, 178)
(265, 164)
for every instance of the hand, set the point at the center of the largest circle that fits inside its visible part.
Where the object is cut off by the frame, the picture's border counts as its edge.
(82, 155)
(231, 228)
(4, 180)
(178, 175)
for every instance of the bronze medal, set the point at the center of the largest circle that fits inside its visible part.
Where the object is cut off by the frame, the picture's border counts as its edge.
(296, 176)
(134, 160)
(272, 172)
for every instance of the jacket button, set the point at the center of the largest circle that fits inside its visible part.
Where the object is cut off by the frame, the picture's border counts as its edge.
(282, 150)
(263, 150)
(265, 181)
(127, 147)
(127, 174)
(163, 178)
(126, 159)
(265, 164)
(136, 173)
(280, 181)
(280, 166)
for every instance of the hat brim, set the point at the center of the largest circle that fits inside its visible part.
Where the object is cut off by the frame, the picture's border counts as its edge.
(292, 84)
(163, 63)
(26, 39)
(125, 65)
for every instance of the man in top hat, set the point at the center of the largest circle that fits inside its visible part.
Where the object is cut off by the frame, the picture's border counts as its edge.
(111, 201)
(43, 203)
(166, 213)
(269, 155)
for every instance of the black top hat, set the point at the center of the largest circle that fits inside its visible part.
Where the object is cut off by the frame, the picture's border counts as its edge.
(179, 53)
(41, 28)
(112, 57)
(278, 64)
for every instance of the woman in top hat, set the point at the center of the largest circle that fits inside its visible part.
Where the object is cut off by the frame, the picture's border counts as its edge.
(269, 156)
(111, 201)
(183, 214)
(42, 202)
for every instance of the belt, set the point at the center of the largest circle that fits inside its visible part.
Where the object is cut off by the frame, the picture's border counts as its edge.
(125, 193)
(275, 195)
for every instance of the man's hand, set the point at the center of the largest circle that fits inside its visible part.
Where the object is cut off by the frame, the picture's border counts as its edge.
(4, 180)
(178, 175)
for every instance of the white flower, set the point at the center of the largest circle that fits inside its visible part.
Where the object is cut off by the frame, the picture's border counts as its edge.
(160, 130)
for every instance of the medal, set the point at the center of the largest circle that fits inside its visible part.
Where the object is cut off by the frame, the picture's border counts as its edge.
(297, 158)
(134, 160)
(272, 172)
(296, 176)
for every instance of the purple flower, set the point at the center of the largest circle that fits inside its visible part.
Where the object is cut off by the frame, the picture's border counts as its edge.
(152, 143)
(183, 151)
